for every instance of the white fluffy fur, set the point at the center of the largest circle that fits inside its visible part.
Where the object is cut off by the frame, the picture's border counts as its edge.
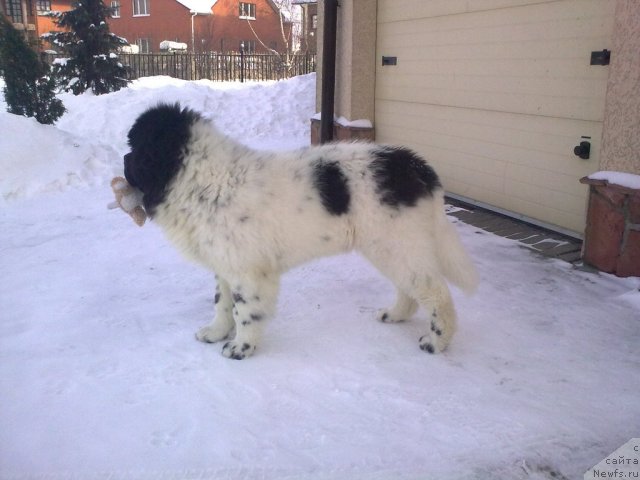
(252, 215)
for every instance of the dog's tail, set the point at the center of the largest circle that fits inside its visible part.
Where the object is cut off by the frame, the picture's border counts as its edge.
(455, 262)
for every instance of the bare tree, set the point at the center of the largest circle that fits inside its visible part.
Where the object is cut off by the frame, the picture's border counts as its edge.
(206, 33)
(290, 32)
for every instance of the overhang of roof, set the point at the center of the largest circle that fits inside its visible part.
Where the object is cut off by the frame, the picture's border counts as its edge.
(198, 6)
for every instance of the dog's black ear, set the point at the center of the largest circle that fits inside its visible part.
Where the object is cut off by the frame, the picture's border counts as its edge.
(158, 139)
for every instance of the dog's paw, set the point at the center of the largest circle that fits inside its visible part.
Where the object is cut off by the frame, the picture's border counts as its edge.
(385, 316)
(434, 341)
(238, 351)
(212, 334)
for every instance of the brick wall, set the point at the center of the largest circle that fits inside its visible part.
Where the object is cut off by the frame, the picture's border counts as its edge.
(229, 27)
(46, 24)
(27, 23)
(223, 31)
(168, 20)
(309, 27)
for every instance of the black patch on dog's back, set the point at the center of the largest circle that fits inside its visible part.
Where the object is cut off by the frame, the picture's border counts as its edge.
(402, 177)
(333, 187)
(158, 140)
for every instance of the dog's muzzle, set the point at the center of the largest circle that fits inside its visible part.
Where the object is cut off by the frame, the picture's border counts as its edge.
(128, 174)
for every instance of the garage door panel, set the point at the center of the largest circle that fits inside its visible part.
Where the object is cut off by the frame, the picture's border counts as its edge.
(451, 164)
(549, 214)
(537, 50)
(470, 177)
(543, 197)
(401, 10)
(561, 98)
(493, 173)
(549, 171)
(496, 94)
(486, 151)
(488, 28)
(440, 154)
(505, 124)
(546, 145)
(560, 182)
(528, 68)
(482, 84)
(556, 144)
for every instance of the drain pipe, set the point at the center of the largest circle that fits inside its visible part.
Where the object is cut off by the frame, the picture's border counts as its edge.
(328, 69)
(193, 32)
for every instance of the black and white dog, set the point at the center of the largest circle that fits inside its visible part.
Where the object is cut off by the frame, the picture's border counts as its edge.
(252, 215)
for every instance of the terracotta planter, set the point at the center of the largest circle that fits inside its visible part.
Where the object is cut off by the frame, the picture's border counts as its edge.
(612, 237)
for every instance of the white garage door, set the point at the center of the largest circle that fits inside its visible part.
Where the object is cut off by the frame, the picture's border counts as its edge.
(496, 94)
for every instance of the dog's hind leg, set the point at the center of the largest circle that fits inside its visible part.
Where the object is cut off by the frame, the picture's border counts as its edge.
(433, 294)
(222, 323)
(403, 309)
(254, 301)
(415, 287)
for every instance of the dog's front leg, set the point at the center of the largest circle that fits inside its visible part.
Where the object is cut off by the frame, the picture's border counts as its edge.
(254, 301)
(222, 323)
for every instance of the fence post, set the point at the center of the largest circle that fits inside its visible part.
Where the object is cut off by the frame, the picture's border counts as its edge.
(242, 62)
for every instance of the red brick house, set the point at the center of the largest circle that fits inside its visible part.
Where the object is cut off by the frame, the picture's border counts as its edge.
(45, 23)
(309, 33)
(22, 14)
(203, 25)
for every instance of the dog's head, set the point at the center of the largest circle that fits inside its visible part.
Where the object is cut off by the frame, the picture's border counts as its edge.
(158, 140)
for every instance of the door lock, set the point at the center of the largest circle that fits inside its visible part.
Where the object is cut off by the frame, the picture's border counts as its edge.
(583, 150)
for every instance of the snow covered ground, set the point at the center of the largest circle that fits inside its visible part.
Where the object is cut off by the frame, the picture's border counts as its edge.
(101, 376)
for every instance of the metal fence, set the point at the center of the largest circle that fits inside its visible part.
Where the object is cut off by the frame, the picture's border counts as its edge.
(216, 66)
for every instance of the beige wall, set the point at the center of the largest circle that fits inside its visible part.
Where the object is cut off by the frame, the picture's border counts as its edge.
(356, 57)
(621, 135)
(319, 50)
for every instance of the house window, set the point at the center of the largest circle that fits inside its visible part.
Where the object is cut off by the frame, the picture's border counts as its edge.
(43, 6)
(115, 8)
(314, 21)
(248, 10)
(143, 45)
(248, 46)
(140, 7)
(14, 11)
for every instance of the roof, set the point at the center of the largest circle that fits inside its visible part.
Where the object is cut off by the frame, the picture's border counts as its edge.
(198, 6)
(205, 6)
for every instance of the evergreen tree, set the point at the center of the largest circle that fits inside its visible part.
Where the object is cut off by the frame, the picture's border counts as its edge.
(29, 88)
(92, 62)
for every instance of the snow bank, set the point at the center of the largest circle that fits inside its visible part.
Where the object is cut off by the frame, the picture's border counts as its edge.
(86, 145)
(41, 158)
(271, 112)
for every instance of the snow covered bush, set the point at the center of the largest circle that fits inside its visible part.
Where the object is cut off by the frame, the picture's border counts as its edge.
(29, 89)
(91, 62)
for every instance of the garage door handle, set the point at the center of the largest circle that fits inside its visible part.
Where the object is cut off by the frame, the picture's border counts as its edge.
(583, 150)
